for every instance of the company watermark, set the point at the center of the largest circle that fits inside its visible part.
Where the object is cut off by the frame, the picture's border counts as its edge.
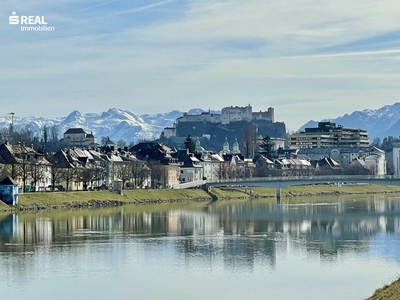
(30, 23)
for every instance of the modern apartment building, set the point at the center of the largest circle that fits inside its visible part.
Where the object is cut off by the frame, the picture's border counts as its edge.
(328, 135)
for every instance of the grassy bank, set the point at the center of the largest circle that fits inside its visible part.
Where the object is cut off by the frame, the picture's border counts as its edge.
(105, 198)
(32, 201)
(301, 191)
(388, 292)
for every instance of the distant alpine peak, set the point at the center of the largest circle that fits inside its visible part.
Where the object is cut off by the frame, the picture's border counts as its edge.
(381, 122)
(117, 124)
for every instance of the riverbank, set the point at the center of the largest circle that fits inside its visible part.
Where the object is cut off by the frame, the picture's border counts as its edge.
(65, 200)
(388, 292)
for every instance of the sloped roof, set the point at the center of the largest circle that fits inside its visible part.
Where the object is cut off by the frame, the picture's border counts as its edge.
(7, 154)
(98, 155)
(115, 158)
(43, 161)
(2, 161)
(61, 160)
(188, 160)
(268, 161)
(216, 157)
(8, 181)
(295, 161)
(131, 158)
(75, 131)
(378, 150)
(329, 162)
(359, 162)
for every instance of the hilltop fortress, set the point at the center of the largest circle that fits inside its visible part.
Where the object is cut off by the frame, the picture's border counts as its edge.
(234, 122)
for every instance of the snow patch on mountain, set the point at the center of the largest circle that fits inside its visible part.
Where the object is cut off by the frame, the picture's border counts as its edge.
(117, 124)
(380, 123)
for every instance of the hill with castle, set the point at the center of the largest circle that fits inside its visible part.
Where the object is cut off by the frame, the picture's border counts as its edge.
(233, 123)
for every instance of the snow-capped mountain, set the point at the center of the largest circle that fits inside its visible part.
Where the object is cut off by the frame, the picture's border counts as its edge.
(381, 123)
(117, 124)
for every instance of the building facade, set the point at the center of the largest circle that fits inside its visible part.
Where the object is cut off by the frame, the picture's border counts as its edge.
(328, 135)
(77, 137)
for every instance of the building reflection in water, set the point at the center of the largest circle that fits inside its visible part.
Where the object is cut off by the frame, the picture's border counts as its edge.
(233, 237)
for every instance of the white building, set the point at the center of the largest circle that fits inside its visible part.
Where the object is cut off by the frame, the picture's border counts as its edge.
(393, 159)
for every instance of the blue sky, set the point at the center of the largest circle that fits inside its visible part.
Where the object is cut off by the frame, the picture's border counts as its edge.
(307, 59)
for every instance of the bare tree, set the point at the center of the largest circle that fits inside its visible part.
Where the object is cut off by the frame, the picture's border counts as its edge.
(223, 170)
(54, 131)
(56, 175)
(69, 175)
(156, 173)
(140, 172)
(123, 171)
(88, 176)
(22, 171)
(249, 140)
(35, 173)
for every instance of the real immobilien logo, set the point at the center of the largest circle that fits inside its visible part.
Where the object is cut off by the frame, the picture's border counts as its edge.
(34, 23)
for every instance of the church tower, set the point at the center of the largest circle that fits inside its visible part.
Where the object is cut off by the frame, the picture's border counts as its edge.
(225, 147)
(235, 147)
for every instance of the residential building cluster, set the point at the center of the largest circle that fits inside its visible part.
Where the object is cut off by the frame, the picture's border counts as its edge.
(336, 149)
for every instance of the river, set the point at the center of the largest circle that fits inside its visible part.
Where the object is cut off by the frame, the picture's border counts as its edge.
(321, 248)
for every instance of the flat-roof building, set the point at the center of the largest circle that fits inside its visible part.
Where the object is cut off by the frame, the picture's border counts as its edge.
(328, 135)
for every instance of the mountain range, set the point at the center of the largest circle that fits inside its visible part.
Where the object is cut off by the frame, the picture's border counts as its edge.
(118, 124)
(379, 123)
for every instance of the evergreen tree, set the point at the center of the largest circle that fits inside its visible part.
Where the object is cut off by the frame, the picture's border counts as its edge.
(267, 148)
(45, 135)
(190, 144)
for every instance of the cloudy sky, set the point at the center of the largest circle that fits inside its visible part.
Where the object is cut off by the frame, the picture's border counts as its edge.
(308, 59)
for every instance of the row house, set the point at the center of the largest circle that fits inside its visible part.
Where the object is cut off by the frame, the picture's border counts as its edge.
(95, 169)
(66, 171)
(165, 168)
(135, 172)
(372, 157)
(30, 169)
(190, 167)
(294, 167)
(71, 169)
(283, 167)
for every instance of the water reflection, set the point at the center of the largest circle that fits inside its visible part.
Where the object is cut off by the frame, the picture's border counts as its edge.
(253, 228)
(244, 239)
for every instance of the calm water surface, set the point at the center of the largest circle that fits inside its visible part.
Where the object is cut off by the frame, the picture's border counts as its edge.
(334, 248)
